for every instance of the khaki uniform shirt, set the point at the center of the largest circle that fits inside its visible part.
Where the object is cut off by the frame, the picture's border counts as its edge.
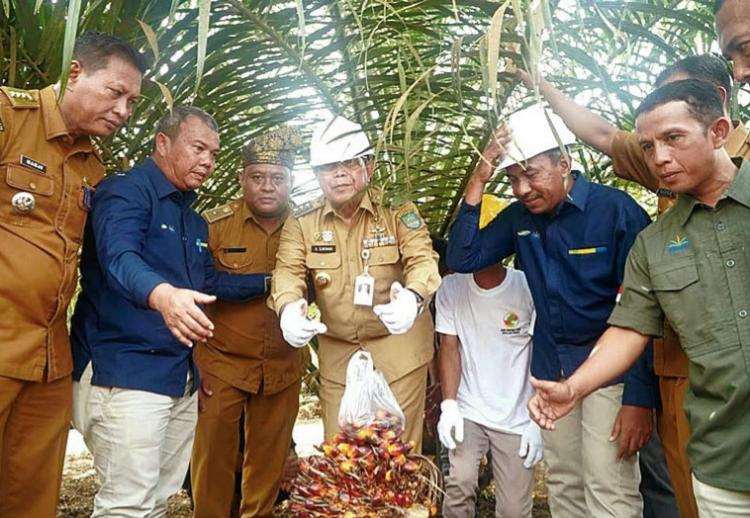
(39, 252)
(320, 245)
(693, 266)
(247, 349)
(628, 161)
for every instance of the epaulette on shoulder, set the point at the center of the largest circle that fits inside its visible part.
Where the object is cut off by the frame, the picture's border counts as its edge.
(308, 207)
(21, 98)
(219, 213)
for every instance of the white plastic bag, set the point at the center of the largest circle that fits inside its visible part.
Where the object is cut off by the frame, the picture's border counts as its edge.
(368, 399)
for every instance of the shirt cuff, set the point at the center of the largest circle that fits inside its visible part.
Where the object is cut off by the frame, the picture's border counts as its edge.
(145, 286)
(633, 319)
(282, 300)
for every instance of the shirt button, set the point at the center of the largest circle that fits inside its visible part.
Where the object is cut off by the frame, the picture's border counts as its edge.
(742, 313)
(32, 186)
(731, 263)
(721, 226)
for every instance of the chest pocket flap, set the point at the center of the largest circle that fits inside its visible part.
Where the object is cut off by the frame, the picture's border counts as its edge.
(318, 261)
(674, 278)
(25, 180)
(384, 255)
(234, 261)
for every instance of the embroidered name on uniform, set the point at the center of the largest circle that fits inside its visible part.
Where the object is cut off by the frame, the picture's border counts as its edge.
(33, 164)
(677, 245)
(235, 250)
(323, 249)
(588, 251)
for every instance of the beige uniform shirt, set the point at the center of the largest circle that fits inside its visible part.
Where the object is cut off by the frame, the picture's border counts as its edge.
(628, 161)
(247, 349)
(39, 160)
(320, 247)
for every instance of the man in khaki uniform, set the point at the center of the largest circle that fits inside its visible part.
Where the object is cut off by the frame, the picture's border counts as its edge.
(359, 254)
(670, 361)
(247, 365)
(50, 168)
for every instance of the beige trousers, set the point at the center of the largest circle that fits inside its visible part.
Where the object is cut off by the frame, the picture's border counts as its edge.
(409, 391)
(513, 482)
(584, 477)
(714, 502)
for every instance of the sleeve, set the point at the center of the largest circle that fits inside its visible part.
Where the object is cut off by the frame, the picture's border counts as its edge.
(638, 309)
(641, 385)
(120, 219)
(288, 283)
(444, 308)
(232, 287)
(418, 259)
(471, 249)
(632, 220)
(628, 161)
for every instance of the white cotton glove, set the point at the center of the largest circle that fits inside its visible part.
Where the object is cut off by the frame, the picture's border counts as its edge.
(398, 315)
(295, 326)
(532, 446)
(451, 424)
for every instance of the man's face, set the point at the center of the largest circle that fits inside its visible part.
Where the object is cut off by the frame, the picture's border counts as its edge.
(265, 188)
(189, 159)
(677, 148)
(342, 181)
(733, 28)
(541, 185)
(98, 103)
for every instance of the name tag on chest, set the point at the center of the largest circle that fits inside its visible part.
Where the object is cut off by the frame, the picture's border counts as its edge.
(323, 249)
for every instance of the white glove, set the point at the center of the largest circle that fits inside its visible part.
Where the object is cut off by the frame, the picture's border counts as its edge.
(295, 326)
(532, 446)
(398, 315)
(451, 424)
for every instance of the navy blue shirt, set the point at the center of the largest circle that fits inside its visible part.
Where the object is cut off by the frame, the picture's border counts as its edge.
(143, 232)
(574, 262)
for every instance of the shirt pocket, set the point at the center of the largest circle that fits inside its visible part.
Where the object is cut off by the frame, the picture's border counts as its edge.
(234, 261)
(322, 261)
(679, 290)
(590, 261)
(38, 187)
(385, 267)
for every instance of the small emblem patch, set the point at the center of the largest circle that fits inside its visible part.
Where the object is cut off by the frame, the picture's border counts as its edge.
(510, 324)
(411, 220)
(677, 245)
(33, 164)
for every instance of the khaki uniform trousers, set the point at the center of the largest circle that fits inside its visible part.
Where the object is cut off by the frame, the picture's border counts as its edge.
(409, 391)
(269, 420)
(584, 477)
(34, 423)
(674, 432)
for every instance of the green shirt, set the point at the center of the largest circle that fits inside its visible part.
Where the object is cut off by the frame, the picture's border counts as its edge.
(693, 266)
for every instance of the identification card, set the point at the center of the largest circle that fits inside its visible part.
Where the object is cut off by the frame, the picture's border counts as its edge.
(364, 290)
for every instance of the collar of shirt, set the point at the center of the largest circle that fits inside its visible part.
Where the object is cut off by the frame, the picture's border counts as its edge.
(365, 204)
(247, 215)
(736, 138)
(54, 124)
(739, 191)
(578, 194)
(163, 186)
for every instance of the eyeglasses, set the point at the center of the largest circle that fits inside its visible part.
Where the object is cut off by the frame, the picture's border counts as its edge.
(259, 180)
(350, 166)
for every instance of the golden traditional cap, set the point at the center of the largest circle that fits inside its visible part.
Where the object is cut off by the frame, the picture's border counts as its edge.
(277, 147)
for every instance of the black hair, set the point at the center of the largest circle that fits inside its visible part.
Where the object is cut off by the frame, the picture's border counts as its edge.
(171, 121)
(701, 97)
(93, 50)
(706, 67)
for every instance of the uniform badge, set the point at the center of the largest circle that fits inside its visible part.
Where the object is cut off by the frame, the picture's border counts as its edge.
(510, 323)
(23, 202)
(235, 250)
(322, 279)
(327, 236)
(411, 220)
(200, 245)
(33, 164)
(677, 245)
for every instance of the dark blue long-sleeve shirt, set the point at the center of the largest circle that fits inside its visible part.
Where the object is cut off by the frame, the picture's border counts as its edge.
(143, 232)
(574, 262)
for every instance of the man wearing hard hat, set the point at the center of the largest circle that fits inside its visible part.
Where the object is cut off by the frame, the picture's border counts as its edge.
(572, 238)
(372, 269)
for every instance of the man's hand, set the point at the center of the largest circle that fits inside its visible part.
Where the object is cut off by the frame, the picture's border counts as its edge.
(297, 329)
(451, 424)
(551, 401)
(493, 154)
(204, 392)
(180, 311)
(398, 315)
(532, 447)
(633, 425)
(526, 78)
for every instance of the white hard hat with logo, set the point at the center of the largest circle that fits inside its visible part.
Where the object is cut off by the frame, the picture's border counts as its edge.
(338, 140)
(532, 134)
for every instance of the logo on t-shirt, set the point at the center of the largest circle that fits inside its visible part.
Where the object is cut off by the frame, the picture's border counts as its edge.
(510, 324)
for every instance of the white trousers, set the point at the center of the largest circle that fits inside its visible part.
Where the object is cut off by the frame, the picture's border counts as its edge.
(141, 443)
(714, 502)
(584, 477)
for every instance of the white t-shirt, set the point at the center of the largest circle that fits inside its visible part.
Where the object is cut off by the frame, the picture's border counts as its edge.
(495, 329)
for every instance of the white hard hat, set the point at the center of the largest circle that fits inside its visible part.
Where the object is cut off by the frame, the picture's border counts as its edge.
(338, 140)
(532, 135)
